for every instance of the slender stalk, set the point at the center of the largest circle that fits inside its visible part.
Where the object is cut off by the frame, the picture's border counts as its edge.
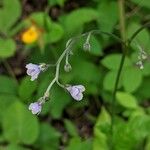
(9, 69)
(124, 47)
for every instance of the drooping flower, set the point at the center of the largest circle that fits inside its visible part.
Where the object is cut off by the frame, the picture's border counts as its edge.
(76, 91)
(33, 70)
(35, 108)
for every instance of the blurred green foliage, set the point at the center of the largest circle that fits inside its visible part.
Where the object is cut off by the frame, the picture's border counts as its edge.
(65, 123)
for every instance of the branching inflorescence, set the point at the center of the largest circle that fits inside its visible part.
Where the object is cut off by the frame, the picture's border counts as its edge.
(76, 91)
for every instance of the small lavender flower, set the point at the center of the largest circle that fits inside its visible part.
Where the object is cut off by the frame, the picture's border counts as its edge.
(76, 91)
(33, 70)
(35, 108)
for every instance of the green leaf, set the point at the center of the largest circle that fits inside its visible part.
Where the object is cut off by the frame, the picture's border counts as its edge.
(144, 3)
(27, 88)
(77, 18)
(19, 125)
(131, 79)
(55, 34)
(59, 100)
(96, 48)
(5, 101)
(8, 85)
(127, 100)
(110, 12)
(48, 138)
(9, 14)
(112, 61)
(101, 127)
(77, 144)
(109, 81)
(142, 38)
(15, 147)
(41, 19)
(56, 2)
(72, 130)
(7, 48)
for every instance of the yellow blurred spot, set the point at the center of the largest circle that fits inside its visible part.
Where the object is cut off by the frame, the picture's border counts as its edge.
(30, 35)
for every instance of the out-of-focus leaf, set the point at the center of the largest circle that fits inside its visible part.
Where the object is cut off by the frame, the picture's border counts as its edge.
(127, 100)
(131, 79)
(109, 81)
(59, 100)
(19, 125)
(48, 138)
(6, 101)
(8, 85)
(102, 126)
(7, 48)
(112, 61)
(72, 130)
(56, 2)
(15, 147)
(77, 144)
(55, 34)
(96, 48)
(142, 38)
(27, 88)
(144, 3)
(77, 18)
(108, 16)
(9, 14)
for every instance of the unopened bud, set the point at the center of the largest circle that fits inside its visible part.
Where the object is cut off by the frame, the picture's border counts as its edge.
(67, 67)
(86, 46)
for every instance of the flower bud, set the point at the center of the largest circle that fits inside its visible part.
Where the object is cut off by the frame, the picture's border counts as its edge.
(67, 67)
(87, 46)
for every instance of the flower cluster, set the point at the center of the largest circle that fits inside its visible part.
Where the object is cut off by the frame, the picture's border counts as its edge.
(33, 70)
(142, 56)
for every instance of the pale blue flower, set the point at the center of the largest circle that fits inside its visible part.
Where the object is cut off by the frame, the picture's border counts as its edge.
(35, 108)
(33, 70)
(76, 91)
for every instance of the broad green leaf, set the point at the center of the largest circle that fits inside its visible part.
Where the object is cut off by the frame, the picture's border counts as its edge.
(6, 100)
(100, 129)
(143, 90)
(55, 34)
(56, 2)
(48, 138)
(106, 12)
(77, 18)
(72, 130)
(15, 147)
(96, 48)
(19, 125)
(59, 100)
(131, 79)
(144, 3)
(8, 85)
(27, 88)
(109, 80)
(41, 19)
(112, 61)
(77, 144)
(7, 48)
(127, 100)
(142, 38)
(9, 14)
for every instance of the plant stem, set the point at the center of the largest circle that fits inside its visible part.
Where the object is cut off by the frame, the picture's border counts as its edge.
(124, 47)
(9, 69)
